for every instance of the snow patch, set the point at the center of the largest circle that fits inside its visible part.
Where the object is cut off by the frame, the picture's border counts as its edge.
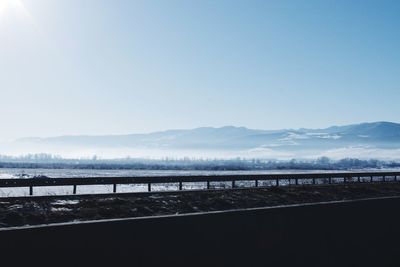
(65, 202)
(325, 135)
(15, 207)
(333, 136)
(60, 209)
(6, 176)
(294, 136)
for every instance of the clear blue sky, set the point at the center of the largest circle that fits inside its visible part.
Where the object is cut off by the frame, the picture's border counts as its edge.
(102, 67)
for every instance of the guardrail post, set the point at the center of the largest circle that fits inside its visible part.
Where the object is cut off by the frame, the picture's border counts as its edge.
(334, 178)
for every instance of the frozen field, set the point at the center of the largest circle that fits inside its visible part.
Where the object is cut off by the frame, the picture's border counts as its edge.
(91, 189)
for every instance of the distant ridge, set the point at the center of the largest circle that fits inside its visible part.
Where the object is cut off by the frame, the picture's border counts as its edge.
(373, 135)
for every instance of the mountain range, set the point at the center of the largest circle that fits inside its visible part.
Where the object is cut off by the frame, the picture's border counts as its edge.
(381, 138)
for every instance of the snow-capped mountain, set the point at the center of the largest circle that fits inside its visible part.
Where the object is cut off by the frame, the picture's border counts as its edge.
(230, 140)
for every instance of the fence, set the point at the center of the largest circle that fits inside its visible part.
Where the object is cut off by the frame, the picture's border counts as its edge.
(277, 179)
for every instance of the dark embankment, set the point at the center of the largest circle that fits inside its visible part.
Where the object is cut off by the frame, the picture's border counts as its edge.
(58, 209)
(342, 234)
(356, 233)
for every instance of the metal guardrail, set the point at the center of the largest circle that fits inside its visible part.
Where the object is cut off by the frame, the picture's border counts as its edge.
(328, 178)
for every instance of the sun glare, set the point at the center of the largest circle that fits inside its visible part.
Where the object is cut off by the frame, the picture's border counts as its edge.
(17, 8)
(11, 5)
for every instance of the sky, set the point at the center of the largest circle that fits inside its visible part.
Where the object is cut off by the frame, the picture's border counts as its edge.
(125, 66)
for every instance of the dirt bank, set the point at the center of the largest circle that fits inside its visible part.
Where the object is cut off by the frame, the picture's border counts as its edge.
(55, 209)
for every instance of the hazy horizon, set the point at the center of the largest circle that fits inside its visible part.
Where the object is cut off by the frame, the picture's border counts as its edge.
(378, 140)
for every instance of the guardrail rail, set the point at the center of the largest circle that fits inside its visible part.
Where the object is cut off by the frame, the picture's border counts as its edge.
(277, 179)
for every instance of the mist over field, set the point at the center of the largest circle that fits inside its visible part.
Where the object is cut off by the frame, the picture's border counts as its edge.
(378, 140)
